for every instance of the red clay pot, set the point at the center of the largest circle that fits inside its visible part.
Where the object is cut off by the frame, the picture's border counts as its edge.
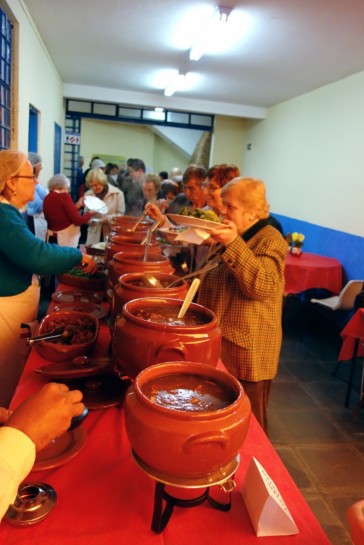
(181, 443)
(129, 242)
(138, 343)
(128, 222)
(124, 290)
(125, 262)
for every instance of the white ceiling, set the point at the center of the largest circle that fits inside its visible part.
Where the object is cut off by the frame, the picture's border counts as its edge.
(125, 49)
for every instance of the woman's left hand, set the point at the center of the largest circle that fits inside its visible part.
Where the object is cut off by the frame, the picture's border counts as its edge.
(226, 234)
(89, 265)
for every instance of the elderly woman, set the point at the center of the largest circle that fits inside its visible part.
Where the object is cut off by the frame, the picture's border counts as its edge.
(21, 255)
(62, 214)
(246, 290)
(98, 227)
(150, 187)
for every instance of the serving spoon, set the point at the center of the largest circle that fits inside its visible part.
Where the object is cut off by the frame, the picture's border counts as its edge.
(204, 269)
(139, 221)
(189, 297)
(58, 333)
(151, 281)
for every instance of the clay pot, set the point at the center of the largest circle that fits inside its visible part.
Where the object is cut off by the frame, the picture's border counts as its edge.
(127, 222)
(130, 286)
(58, 351)
(125, 262)
(138, 343)
(131, 243)
(186, 444)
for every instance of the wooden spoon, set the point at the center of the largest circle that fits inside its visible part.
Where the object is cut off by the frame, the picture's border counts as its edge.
(189, 297)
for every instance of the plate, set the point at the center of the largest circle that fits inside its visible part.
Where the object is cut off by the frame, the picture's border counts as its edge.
(102, 391)
(190, 221)
(76, 295)
(60, 450)
(96, 204)
(83, 306)
(68, 370)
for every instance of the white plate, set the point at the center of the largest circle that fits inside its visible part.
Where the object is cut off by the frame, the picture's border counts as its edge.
(94, 203)
(190, 221)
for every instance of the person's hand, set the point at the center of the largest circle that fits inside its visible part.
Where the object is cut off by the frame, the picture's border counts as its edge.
(355, 516)
(154, 213)
(4, 415)
(47, 414)
(226, 234)
(162, 205)
(89, 265)
(80, 203)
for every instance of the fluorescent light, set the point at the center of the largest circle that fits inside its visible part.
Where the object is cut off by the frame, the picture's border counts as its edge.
(214, 26)
(158, 109)
(175, 85)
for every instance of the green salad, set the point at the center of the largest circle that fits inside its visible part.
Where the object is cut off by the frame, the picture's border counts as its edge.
(203, 214)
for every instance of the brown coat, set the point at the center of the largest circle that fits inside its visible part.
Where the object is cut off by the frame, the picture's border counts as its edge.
(246, 292)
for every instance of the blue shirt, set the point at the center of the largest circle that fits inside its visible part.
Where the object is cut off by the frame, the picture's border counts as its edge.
(36, 205)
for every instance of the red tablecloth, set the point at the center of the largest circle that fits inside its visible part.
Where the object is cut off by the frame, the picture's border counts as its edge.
(312, 271)
(353, 330)
(104, 498)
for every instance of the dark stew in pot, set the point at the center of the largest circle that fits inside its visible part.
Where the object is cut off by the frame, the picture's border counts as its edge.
(193, 393)
(168, 316)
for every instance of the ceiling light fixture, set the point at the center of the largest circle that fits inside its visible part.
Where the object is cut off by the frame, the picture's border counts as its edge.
(214, 26)
(175, 85)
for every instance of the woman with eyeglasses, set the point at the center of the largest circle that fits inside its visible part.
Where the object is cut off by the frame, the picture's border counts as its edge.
(217, 176)
(22, 257)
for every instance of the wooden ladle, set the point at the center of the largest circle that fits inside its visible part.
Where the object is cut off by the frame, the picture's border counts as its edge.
(189, 297)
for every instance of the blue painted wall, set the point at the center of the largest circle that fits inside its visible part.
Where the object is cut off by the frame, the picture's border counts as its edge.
(348, 249)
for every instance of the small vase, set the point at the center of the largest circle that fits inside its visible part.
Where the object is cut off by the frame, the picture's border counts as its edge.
(295, 251)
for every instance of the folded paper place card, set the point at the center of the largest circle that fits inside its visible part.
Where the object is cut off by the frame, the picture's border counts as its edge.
(267, 510)
(193, 236)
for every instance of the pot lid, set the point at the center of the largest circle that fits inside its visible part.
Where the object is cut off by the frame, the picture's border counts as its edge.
(33, 503)
(70, 296)
(79, 367)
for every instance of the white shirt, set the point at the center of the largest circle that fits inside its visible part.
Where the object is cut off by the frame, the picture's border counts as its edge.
(17, 456)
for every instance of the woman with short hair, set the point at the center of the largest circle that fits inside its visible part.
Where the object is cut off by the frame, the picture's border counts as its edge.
(246, 290)
(98, 227)
(62, 214)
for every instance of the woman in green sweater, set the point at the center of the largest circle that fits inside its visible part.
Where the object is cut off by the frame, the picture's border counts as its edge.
(22, 258)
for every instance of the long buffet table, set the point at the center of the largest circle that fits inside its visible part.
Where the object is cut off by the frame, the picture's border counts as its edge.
(103, 496)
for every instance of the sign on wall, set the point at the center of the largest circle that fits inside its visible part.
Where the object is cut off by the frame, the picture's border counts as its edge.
(72, 138)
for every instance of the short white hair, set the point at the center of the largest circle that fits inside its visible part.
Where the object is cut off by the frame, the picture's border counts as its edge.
(59, 180)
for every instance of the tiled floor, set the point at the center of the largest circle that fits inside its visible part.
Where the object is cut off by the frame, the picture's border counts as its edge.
(322, 447)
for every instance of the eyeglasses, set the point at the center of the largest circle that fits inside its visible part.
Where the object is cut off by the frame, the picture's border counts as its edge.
(210, 188)
(33, 178)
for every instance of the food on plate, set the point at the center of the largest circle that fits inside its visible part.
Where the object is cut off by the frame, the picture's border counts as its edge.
(201, 213)
(79, 273)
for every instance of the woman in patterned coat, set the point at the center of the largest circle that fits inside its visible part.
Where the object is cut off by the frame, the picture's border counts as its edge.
(246, 290)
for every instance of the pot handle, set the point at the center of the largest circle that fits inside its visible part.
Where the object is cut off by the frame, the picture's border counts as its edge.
(204, 438)
(168, 347)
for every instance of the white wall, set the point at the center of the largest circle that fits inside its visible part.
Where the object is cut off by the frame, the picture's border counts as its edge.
(129, 140)
(310, 153)
(228, 141)
(39, 85)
